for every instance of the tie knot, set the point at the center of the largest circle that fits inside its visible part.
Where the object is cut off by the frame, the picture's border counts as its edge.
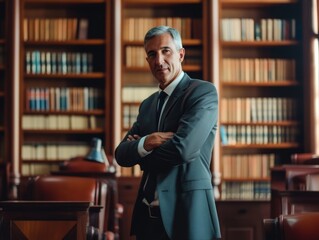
(162, 95)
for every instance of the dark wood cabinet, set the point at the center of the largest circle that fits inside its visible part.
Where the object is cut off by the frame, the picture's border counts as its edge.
(242, 220)
(127, 190)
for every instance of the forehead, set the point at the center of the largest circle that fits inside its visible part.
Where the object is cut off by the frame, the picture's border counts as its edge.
(159, 42)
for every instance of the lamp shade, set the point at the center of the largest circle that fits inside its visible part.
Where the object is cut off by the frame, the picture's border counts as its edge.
(95, 153)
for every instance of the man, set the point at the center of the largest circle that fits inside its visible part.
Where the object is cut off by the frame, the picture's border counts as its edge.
(174, 151)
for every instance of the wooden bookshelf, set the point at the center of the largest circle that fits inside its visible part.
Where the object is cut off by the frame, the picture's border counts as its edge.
(260, 92)
(138, 16)
(66, 81)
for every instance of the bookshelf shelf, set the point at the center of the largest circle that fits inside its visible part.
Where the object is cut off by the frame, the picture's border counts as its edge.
(286, 83)
(261, 44)
(186, 42)
(65, 2)
(69, 132)
(279, 123)
(66, 80)
(262, 146)
(246, 179)
(89, 113)
(260, 61)
(87, 42)
(95, 75)
(251, 3)
(135, 3)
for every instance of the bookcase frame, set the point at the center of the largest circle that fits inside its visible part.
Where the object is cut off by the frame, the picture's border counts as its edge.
(98, 43)
(138, 77)
(286, 88)
(4, 81)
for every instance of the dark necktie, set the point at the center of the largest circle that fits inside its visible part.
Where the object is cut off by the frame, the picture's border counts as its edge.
(149, 190)
(160, 102)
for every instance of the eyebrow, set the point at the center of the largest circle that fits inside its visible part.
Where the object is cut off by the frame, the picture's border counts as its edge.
(162, 48)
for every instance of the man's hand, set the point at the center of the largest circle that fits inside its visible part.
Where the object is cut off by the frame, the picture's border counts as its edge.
(156, 139)
(133, 137)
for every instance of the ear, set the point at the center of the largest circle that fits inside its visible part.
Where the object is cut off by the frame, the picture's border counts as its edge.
(181, 54)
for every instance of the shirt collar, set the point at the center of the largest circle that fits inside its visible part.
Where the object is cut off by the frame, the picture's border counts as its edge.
(170, 88)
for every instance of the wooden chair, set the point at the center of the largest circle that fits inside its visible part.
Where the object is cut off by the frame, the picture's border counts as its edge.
(292, 227)
(80, 167)
(70, 188)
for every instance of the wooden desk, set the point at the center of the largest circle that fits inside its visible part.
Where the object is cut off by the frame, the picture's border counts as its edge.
(40, 220)
(282, 176)
(291, 202)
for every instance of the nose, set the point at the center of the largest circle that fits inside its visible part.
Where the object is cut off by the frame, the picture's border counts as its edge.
(159, 59)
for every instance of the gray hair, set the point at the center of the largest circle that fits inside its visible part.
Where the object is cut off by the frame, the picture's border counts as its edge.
(159, 30)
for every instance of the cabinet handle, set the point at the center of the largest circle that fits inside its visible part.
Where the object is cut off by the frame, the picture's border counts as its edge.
(128, 187)
(242, 211)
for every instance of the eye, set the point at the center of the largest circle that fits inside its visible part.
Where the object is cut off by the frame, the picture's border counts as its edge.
(151, 55)
(166, 51)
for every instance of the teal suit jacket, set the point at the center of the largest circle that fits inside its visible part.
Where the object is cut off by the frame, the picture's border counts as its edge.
(182, 164)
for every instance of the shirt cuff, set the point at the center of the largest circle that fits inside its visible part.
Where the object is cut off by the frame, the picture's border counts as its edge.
(140, 148)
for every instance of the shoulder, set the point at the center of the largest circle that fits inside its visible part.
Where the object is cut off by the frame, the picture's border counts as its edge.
(198, 85)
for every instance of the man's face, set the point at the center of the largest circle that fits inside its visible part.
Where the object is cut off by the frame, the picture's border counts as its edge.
(164, 59)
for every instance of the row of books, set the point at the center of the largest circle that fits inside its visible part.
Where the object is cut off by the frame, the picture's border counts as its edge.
(63, 99)
(247, 110)
(135, 28)
(247, 165)
(55, 29)
(34, 169)
(130, 113)
(258, 69)
(50, 62)
(61, 122)
(232, 134)
(245, 191)
(137, 94)
(265, 29)
(54, 151)
(135, 57)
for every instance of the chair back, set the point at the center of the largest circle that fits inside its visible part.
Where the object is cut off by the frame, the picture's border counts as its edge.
(299, 226)
(69, 188)
(80, 164)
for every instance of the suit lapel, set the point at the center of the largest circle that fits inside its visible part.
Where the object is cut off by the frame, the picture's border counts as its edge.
(178, 91)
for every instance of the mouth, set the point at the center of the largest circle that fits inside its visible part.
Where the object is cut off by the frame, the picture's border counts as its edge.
(161, 70)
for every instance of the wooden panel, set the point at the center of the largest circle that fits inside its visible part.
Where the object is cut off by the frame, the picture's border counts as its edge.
(38, 220)
(128, 188)
(242, 219)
